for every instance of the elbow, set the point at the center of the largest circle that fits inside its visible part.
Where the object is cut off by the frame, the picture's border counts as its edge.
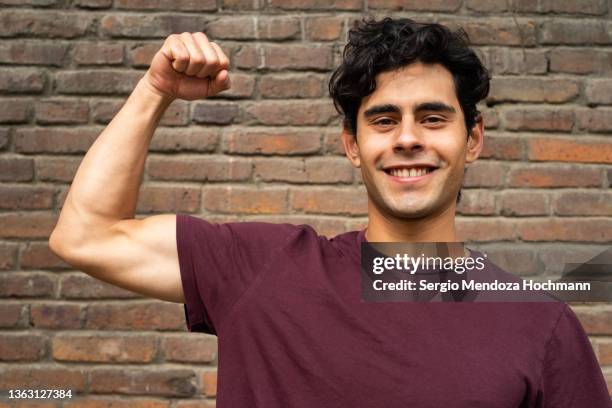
(59, 245)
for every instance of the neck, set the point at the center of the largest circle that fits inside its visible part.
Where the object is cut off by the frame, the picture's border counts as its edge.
(438, 227)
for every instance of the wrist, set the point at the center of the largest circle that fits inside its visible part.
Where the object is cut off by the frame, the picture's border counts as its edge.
(151, 94)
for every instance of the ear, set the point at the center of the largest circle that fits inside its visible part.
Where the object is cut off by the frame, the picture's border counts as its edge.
(351, 148)
(475, 141)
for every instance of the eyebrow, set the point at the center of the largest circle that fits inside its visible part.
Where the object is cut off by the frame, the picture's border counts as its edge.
(421, 107)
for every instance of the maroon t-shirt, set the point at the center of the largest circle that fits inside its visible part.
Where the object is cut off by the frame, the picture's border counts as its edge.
(293, 331)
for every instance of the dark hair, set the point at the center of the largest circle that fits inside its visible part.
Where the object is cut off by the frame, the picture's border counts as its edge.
(379, 46)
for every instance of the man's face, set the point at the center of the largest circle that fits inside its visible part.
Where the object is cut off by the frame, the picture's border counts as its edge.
(412, 143)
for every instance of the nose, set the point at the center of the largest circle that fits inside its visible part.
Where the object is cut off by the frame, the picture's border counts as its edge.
(408, 140)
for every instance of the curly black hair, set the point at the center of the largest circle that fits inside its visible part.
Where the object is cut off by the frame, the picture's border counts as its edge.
(388, 44)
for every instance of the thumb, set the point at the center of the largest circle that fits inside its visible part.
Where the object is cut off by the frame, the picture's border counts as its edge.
(219, 83)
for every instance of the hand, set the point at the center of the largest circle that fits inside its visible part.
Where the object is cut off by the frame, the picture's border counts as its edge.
(189, 67)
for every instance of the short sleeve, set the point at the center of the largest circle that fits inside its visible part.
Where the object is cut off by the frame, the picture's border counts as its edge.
(571, 375)
(219, 262)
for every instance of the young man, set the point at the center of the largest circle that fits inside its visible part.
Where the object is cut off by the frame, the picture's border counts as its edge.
(286, 303)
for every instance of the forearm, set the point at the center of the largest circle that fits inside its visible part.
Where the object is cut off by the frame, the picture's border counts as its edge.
(105, 187)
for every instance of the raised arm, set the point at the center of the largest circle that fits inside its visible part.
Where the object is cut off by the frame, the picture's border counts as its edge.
(96, 231)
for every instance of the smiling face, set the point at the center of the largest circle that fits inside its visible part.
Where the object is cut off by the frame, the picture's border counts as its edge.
(412, 143)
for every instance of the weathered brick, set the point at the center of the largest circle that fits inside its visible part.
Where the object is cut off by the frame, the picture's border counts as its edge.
(291, 112)
(141, 55)
(11, 314)
(248, 200)
(15, 110)
(209, 383)
(103, 348)
(419, 5)
(316, 4)
(539, 119)
(278, 28)
(552, 6)
(34, 3)
(212, 168)
(271, 141)
(604, 351)
(595, 120)
(553, 175)
(16, 168)
(158, 382)
(503, 61)
(349, 201)
(232, 28)
(5, 138)
(278, 86)
(26, 197)
(519, 203)
(55, 139)
(27, 225)
(332, 141)
(583, 203)
(150, 26)
(82, 286)
(496, 31)
(484, 230)
(101, 82)
(487, 6)
(577, 31)
(517, 261)
(580, 61)
(318, 170)
(26, 284)
(324, 28)
(8, 255)
(485, 174)
(533, 90)
(198, 349)
(49, 24)
(60, 169)
(218, 113)
(289, 170)
(476, 202)
(595, 320)
(113, 402)
(247, 56)
(241, 5)
(164, 199)
(22, 347)
(599, 92)
(242, 86)
(22, 80)
(14, 377)
(135, 316)
(192, 139)
(570, 150)
(96, 53)
(37, 255)
(566, 229)
(171, 5)
(33, 52)
(298, 57)
(93, 4)
(61, 111)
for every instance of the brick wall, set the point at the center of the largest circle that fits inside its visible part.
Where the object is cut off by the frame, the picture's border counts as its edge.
(540, 195)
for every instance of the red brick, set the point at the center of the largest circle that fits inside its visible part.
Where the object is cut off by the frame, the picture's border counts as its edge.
(168, 199)
(349, 201)
(242, 87)
(82, 286)
(15, 110)
(476, 202)
(533, 90)
(198, 168)
(158, 382)
(35, 3)
(13, 377)
(298, 57)
(26, 284)
(518, 203)
(241, 5)
(22, 80)
(539, 119)
(247, 56)
(198, 403)
(135, 316)
(37, 255)
(503, 61)
(171, 5)
(113, 402)
(93, 4)
(583, 203)
(599, 92)
(61, 111)
(496, 31)
(151, 26)
(8, 255)
(141, 55)
(554, 176)
(96, 348)
(328, 170)
(55, 139)
(333, 143)
(566, 229)
(196, 349)
(192, 139)
(4, 138)
(503, 148)
(22, 347)
(232, 28)
(275, 169)
(595, 120)
(579, 32)
(214, 112)
(316, 4)
(485, 174)
(246, 200)
(279, 86)
(324, 28)
(27, 225)
(102, 82)
(26, 197)
(418, 5)
(298, 113)
(16, 168)
(595, 320)
(487, 229)
(487, 6)
(552, 6)
(604, 351)
(580, 61)
(56, 316)
(11, 314)
(60, 169)
(97, 53)
(271, 141)
(278, 28)
(33, 53)
(572, 150)
(49, 24)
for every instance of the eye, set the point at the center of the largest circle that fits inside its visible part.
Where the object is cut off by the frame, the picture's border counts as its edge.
(434, 119)
(383, 122)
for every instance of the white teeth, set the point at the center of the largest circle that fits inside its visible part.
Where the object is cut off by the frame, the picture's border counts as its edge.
(406, 173)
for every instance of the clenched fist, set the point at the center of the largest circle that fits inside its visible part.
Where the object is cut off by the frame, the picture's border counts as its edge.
(188, 66)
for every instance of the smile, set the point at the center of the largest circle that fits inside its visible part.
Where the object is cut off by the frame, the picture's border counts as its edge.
(410, 175)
